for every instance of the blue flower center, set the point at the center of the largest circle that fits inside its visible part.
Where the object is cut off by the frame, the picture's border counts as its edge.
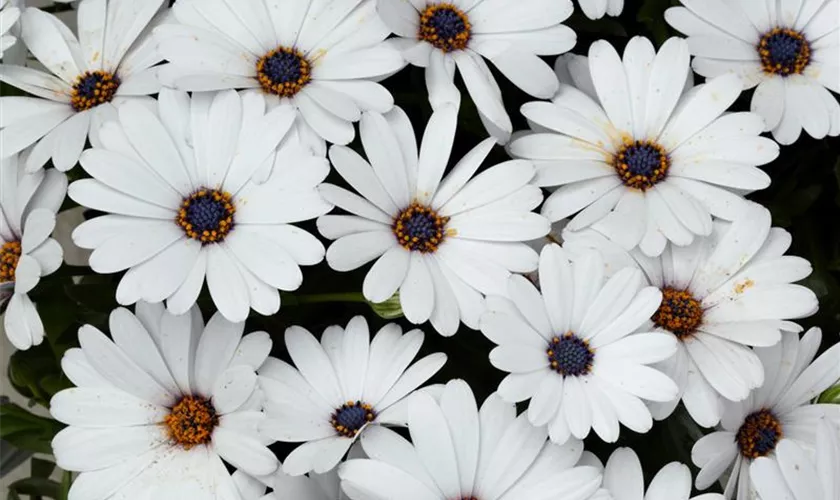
(283, 71)
(93, 88)
(784, 52)
(445, 26)
(351, 417)
(419, 228)
(207, 215)
(759, 434)
(641, 164)
(570, 355)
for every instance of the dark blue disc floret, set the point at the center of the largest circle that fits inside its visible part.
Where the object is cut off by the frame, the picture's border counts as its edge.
(351, 417)
(570, 355)
(641, 164)
(283, 71)
(759, 434)
(207, 215)
(784, 52)
(445, 26)
(420, 228)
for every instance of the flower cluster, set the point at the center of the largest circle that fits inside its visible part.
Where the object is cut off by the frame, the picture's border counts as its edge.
(607, 250)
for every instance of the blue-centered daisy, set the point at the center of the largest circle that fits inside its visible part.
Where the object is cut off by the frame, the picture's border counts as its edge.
(445, 35)
(723, 295)
(573, 350)
(176, 182)
(459, 451)
(788, 50)
(324, 58)
(28, 206)
(637, 152)
(442, 241)
(340, 388)
(110, 63)
(780, 409)
(162, 408)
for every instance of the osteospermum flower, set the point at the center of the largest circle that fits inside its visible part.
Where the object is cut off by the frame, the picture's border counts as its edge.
(778, 409)
(109, 65)
(162, 408)
(596, 9)
(441, 241)
(722, 295)
(340, 388)
(460, 452)
(440, 35)
(8, 17)
(624, 479)
(795, 475)
(789, 50)
(28, 204)
(570, 351)
(638, 157)
(182, 205)
(323, 58)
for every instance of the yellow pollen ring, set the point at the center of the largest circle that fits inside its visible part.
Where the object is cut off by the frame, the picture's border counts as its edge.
(10, 254)
(429, 33)
(284, 89)
(774, 68)
(225, 199)
(640, 181)
(93, 88)
(679, 313)
(413, 242)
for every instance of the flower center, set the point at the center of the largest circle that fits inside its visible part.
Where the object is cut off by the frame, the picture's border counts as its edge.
(641, 164)
(679, 313)
(283, 71)
(570, 355)
(445, 26)
(191, 421)
(351, 417)
(420, 228)
(784, 52)
(9, 256)
(93, 88)
(759, 434)
(207, 215)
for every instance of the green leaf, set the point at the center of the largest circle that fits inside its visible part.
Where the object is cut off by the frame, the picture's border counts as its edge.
(27, 431)
(42, 468)
(37, 486)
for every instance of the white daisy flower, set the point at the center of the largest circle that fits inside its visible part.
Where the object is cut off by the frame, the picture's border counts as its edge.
(182, 204)
(28, 204)
(778, 409)
(795, 475)
(441, 241)
(624, 480)
(789, 50)
(339, 387)
(322, 57)
(463, 453)
(721, 295)
(570, 351)
(109, 65)
(442, 35)
(639, 155)
(8, 17)
(160, 410)
(596, 9)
